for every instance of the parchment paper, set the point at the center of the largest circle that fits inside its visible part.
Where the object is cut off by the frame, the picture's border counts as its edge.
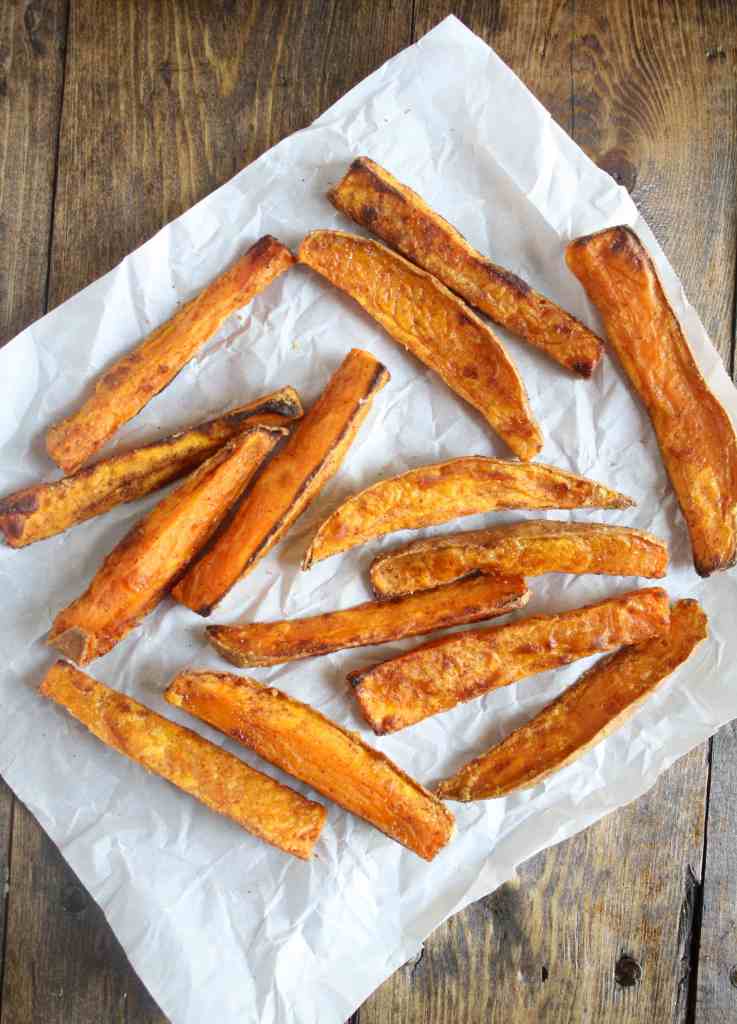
(219, 925)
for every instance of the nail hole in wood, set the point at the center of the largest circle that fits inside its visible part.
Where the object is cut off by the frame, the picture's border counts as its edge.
(733, 977)
(73, 899)
(627, 971)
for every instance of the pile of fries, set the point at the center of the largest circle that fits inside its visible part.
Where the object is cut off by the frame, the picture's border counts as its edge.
(249, 474)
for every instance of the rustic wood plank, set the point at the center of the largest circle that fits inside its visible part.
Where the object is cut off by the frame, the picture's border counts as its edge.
(606, 926)
(163, 102)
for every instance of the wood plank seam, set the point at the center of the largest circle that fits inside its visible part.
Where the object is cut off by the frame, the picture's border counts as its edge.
(57, 143)
(6, 897)
(692, 948)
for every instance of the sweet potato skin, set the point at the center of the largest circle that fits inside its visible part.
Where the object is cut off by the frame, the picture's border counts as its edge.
(130, 383)
(447, 490)
(44, 510)
(437, 327)
(291, 481)
(374, 198)
(259, 804)
(586, 713)
(460, 667)
(374, 622)
(307, 745)
(138, 572)
(530, 548)
(696, 436)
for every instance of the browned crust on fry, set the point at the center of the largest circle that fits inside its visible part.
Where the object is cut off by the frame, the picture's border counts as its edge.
(138, 572)
(374, 198)
(447, 490)
(291, 481)
(599, 703)
(306, 744)
(460, 667)
(261, 805)
(425, 317)
(696, 436)
(530, 548)
(44, 510)
(374, 622)
(130, 383)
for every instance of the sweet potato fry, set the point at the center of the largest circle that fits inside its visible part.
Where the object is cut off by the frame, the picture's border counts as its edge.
(585, 714)
(437, 327)
(44, 510)
(130, 384)
(695, 434)
(447, 490)
(306, 744)
(457, 668)
(373, 197)
(259, 804)
(374, 622)
(137, 573)
(530, 548)
(291, 481)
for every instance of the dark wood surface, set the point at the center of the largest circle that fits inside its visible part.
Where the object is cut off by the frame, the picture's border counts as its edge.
(114, 118)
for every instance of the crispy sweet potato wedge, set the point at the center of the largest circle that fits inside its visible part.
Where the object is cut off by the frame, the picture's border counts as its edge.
(291, 481)
(437, 327)
(306, 744)
(457, 668)
(447, 490)
(695, 434)
(130, 384)
(374, 622)
(44, 510)
(259, 804)
(530, 548)
(585, 714)
(373, 197)
(138, 572)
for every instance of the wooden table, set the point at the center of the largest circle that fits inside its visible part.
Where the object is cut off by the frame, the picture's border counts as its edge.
(114, 118)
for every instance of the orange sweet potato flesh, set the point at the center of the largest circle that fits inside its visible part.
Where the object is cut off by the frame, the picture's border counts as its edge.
(374, 622)
(530, 548)
(373, 197)
(138, 572)
(585, 714)
(130, 383)
(458, 668)
(290, 482)
(306, 744)
(447, 490)
(434, 324)
(695, 434)
(44, 510)
(259, 804)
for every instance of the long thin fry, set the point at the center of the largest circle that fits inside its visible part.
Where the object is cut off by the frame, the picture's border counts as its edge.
(137, 573)
(259, 804)
(373, 197)
(306, 744)
(585, 714)
(44, 510)
(460, 667)
(127, 386)
(374, 622)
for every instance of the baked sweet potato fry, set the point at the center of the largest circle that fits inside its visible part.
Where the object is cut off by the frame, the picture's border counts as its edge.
(290, 482)
(447, 490)
(306, 744)
(460, 667)
(130, 383)
(695, 434)
(259, 804)
(138, 572)
(437, 327)
(586, 713)
(44, 510)
(374, 622)
(373, 197)
(530, 548)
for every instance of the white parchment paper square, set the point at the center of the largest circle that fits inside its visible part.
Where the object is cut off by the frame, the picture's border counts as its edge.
(220, 926)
